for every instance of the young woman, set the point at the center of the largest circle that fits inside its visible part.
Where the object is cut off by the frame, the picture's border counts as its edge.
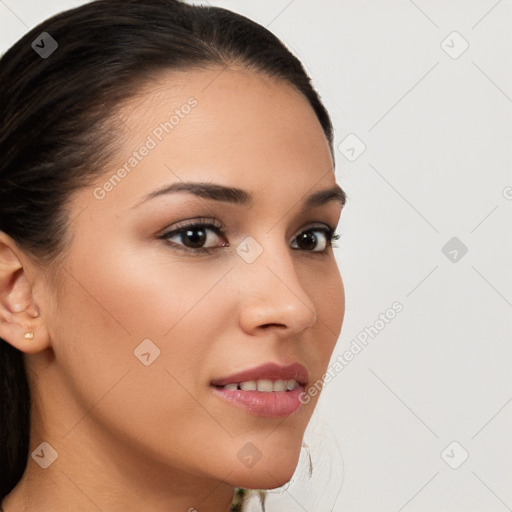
(168, 290)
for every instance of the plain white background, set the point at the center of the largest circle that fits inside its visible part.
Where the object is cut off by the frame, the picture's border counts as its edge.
(420, 418)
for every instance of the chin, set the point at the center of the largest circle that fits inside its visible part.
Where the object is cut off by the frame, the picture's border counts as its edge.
(269, 472)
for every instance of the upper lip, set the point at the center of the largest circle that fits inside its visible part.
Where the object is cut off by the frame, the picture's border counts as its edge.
(271, 371)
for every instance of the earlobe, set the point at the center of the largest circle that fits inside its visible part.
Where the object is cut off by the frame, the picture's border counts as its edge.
(21, 322)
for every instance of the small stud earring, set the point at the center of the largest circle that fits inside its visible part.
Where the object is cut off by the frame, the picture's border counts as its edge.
(29, 336)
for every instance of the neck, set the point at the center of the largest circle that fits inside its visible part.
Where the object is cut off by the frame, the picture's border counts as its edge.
(96, 469)
(95, 473)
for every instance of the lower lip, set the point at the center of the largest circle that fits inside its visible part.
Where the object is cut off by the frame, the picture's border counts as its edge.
(272, 404)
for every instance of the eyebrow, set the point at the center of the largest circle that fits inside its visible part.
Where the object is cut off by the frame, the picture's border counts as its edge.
(217, 192)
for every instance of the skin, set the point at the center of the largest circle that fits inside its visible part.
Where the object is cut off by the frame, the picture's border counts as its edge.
(131, 437)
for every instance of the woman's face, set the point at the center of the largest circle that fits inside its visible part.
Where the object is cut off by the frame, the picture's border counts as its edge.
(144, 319)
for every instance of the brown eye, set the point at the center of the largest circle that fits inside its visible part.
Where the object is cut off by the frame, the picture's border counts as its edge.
(309, 240)
(193, 238)
(197, 237)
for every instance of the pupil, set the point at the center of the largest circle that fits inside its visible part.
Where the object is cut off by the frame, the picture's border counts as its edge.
(307, 241)
(196, 240)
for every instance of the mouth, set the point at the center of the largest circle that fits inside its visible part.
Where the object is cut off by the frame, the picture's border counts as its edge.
(268, 391)
(262, 385)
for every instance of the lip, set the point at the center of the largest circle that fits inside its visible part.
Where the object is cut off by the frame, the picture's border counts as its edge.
(270, 371)
(272, 404)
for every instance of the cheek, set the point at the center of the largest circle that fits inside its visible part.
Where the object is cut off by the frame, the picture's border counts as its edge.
(328, 295)
(107, 308)
(142, 293)
(115, 316)
(334, 302)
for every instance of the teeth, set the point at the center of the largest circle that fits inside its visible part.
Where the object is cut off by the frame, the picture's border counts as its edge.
(264, 385)
(280, 385)
(248, 386)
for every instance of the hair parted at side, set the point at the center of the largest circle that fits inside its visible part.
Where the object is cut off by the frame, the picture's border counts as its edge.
(57, 129)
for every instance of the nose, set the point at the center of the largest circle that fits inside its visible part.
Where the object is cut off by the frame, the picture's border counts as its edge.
(272, 296)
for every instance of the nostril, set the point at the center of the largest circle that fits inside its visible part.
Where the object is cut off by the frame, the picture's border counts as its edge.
(265, 326)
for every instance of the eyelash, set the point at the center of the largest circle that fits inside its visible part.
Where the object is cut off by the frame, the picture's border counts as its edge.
(217, 229)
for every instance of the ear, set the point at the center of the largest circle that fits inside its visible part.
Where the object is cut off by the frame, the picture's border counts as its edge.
(19, 312)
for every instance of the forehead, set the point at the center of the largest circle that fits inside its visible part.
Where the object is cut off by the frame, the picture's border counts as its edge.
(230, 105)
(230, 126)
